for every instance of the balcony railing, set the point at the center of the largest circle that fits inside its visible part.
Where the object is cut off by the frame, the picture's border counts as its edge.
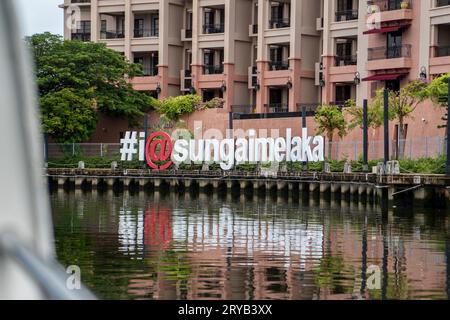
(276, 107)
(188, 33)
(279, 23)
(243, 109)
(309, 108)
(80, 1)
(442, 3)
(342, 61)
(347, 15)
(150, 71)
(443, 51)
(254, 28)
(81, 36)
(146, 33)
(188, 73)
(112, 34)
(213, 69)
(393, 52)
(213, 28)
(390, 5)
(278, 65)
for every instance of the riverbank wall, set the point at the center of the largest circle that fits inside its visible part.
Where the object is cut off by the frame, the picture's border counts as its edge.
(410, 189)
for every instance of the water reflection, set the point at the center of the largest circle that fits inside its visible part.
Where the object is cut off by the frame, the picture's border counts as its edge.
(185, 246)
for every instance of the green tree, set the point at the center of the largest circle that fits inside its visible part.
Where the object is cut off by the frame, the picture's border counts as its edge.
(329, 120)
(401, 106)
(438, 93)
(67, 116)
(92, 74)
(374, 112)
(438, 90)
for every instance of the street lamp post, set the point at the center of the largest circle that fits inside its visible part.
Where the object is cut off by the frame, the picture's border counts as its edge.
(386, 126)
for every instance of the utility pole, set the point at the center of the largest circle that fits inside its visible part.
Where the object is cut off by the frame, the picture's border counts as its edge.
(365, 136)
(386, 126)
(448, 131)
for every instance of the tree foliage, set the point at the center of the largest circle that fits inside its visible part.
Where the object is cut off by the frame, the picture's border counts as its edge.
(438, 90)
(374, 115)
(87, 73)
(329, 120)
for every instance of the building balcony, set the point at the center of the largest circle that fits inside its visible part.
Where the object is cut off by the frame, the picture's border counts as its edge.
(186, 79)
(253, 30)
(243, 109)
(380, 53)
(278, 65)
(212, 69)
(112, 35)
(146, 33)
(442, 3)
(81, 36)
(279, 23)
(186, 34)
(342, 61)
(347, 15)
(396, 57)
(80, 1)
(276, 108)
(150, 71)
(440, 59)
(213, 28)
(392, 10)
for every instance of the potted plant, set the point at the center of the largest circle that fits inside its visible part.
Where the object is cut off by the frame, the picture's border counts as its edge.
(404, 4)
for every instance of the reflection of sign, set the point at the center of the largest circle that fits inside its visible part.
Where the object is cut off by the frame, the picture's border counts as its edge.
(159, 149)
(157, 227)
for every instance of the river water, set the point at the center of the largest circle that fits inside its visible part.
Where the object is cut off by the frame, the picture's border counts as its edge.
(205, 246)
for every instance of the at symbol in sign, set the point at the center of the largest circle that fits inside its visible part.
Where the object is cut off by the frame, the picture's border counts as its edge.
(159, 149)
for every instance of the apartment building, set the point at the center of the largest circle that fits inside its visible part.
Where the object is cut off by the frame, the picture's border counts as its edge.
(251, 53)
(273, 56)
(368, 45)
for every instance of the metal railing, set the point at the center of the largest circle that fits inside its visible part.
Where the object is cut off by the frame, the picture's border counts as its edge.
(214, 28)
(422, 147)
(146, 33)
(351, 60)
(81, 36)
(112, 34)
(242, 109)
(103, 150)
(278, 65)
(276, 107)
(49, 276)
(443, 51)
(150, 71)
(279, 23)
(416, 148)
(379, 53)
(390, 5)
(346, 15)
(442, 3)
(213, 69)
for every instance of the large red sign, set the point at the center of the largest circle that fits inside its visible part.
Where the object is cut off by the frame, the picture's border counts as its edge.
(158, 151)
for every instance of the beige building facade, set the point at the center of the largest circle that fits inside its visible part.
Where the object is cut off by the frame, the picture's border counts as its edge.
(267, 56)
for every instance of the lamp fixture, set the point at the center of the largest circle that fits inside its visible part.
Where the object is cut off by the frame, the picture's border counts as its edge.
(223, 88)
(423, 74)
(158, 88)
(289, 84)
(357, 79)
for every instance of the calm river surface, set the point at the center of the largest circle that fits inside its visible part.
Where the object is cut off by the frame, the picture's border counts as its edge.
(199, 246)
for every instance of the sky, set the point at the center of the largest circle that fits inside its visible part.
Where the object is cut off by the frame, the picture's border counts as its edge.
(37, 16)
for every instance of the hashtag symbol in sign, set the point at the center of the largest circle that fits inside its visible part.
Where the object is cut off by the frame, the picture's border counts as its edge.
(129, 146)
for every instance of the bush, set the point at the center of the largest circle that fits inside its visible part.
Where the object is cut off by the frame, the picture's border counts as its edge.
(174, 107)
